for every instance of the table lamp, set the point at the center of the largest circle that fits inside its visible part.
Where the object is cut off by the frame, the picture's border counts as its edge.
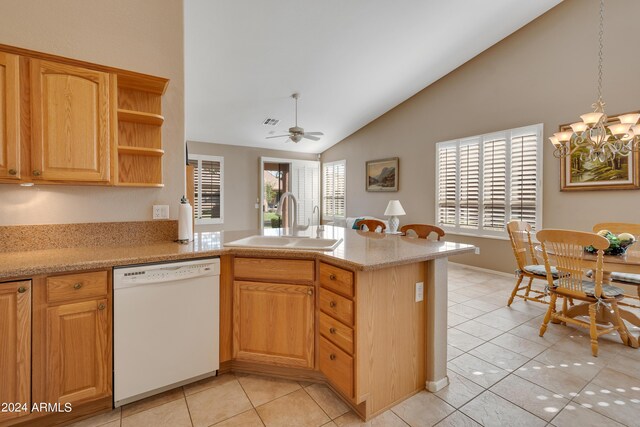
(394, 208)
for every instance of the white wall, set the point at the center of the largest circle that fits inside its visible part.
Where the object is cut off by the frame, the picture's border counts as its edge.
(139, 35)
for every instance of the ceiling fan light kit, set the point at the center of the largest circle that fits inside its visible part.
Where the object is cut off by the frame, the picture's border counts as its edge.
(296, 133)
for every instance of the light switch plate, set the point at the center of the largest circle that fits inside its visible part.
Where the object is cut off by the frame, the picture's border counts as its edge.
(160, 211)
(419, 291)
(477, 250)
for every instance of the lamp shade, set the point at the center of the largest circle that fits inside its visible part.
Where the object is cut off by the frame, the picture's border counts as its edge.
(394, 208)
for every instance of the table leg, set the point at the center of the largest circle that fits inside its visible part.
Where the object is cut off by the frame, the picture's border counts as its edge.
(605, 316)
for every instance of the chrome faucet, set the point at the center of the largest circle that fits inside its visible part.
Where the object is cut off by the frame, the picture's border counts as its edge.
(293, 217)
(320, 226)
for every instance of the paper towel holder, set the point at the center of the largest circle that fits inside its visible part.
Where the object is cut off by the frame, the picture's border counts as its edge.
(185, 224)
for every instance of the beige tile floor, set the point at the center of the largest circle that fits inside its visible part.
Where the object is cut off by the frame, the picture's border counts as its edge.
(501, 374)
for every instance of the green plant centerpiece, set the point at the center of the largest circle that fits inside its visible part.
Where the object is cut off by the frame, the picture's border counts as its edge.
(617, 244)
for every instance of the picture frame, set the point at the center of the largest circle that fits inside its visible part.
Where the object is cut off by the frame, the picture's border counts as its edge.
(382, 175)
(621, 174)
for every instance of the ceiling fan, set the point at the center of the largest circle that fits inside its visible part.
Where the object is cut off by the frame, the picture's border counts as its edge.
(297, 133)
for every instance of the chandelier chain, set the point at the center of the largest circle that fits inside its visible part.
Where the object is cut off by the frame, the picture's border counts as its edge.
(601, 41)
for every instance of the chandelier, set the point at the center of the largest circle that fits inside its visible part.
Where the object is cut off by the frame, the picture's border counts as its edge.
(598, 137)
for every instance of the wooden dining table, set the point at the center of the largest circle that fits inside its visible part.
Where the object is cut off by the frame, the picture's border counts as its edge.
(627, 263)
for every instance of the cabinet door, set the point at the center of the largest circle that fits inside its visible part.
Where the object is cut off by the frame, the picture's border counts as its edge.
(77, 352)
(273, 323)
(15, 351)
(71, 123)
(9, 116)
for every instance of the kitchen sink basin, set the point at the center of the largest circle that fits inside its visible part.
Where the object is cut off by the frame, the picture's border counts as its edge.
(286, 242)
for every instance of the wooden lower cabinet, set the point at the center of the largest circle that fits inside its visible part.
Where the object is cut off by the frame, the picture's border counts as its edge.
(73, 341)
(15, 350)
(273, 323)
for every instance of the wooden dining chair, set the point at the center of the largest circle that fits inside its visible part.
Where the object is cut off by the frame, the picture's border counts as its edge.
(371, 224)
(528, 266)
(567, 249)
(423, 230)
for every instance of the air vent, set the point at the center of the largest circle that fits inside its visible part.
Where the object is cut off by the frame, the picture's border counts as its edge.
(270, 122)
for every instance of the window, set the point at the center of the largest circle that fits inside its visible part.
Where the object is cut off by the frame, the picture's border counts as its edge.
(208, 183)
(334, 185)
(485, 181)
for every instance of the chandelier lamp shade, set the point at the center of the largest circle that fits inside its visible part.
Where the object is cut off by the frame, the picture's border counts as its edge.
(596, 136)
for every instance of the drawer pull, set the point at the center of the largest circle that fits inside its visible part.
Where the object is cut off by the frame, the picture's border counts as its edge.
(13, 172)
(310, 291)
(22, 290)
(332, 356)
(36, 172)
(77, 286)
(102, 307)
(332, 330)
(332, 277)
(333, 304)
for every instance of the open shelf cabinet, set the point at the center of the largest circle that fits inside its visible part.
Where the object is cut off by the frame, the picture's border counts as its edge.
(139, 149)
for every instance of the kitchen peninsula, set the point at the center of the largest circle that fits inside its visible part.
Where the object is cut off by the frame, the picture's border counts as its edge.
(368, 318)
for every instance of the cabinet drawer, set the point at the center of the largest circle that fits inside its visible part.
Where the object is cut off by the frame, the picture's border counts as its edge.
(76, 286)
(337, 366)
(336, 332)
(274, 269)
(336, 279)
(339, 307)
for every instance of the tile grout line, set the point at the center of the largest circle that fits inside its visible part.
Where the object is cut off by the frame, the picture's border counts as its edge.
(251, 403)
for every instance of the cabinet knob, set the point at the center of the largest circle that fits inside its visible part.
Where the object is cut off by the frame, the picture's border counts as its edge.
(332, 277)
(332, 356)
(101, 306)
(332, 330)
(332, 304)
(22, 290)
(36, 172)
(310, 291)
(13, 172)
(77, 286)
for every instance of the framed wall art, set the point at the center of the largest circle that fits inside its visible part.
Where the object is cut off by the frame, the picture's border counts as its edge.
(382, 175)
(619, 173)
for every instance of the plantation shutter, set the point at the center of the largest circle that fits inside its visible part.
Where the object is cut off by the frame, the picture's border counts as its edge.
(305, 180)
(524, 179)
(494, 178)
(469, 198)
(334, 190)
(207, 174)
(447, 183)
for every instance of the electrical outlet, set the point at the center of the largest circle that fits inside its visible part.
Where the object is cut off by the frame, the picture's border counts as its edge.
(160, 211)
(477, 250)
(419, 291)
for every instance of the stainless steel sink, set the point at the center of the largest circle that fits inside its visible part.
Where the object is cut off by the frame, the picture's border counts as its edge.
(286, 242)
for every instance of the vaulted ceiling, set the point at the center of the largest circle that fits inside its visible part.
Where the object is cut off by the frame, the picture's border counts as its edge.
(350, 60)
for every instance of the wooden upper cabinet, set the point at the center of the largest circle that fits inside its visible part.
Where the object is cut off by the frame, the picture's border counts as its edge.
(72, 122)
(9, 116)
(15, 354)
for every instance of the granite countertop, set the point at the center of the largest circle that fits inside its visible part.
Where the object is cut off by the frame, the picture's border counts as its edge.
(359, 250)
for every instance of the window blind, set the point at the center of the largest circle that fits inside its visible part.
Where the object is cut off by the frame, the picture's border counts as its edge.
(469, 184)
(208, 183)
(483, 182)
(524, 178)
(334, 197)
(494, 198)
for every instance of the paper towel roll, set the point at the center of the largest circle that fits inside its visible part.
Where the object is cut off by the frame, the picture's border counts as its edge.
(185, 222)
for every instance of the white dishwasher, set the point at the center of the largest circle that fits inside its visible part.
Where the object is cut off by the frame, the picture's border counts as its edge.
(166, 326)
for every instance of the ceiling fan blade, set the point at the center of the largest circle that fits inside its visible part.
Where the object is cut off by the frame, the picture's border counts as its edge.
(277, 136)
(311, 137)
(314, 133)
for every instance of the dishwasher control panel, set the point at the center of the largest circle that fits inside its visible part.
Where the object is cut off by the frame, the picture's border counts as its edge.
(159, 273)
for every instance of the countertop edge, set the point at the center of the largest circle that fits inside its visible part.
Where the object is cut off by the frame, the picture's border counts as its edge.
(22, 273)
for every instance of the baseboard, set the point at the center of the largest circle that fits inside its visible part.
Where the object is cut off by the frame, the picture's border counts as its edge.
(485, 270)
(436, 386)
